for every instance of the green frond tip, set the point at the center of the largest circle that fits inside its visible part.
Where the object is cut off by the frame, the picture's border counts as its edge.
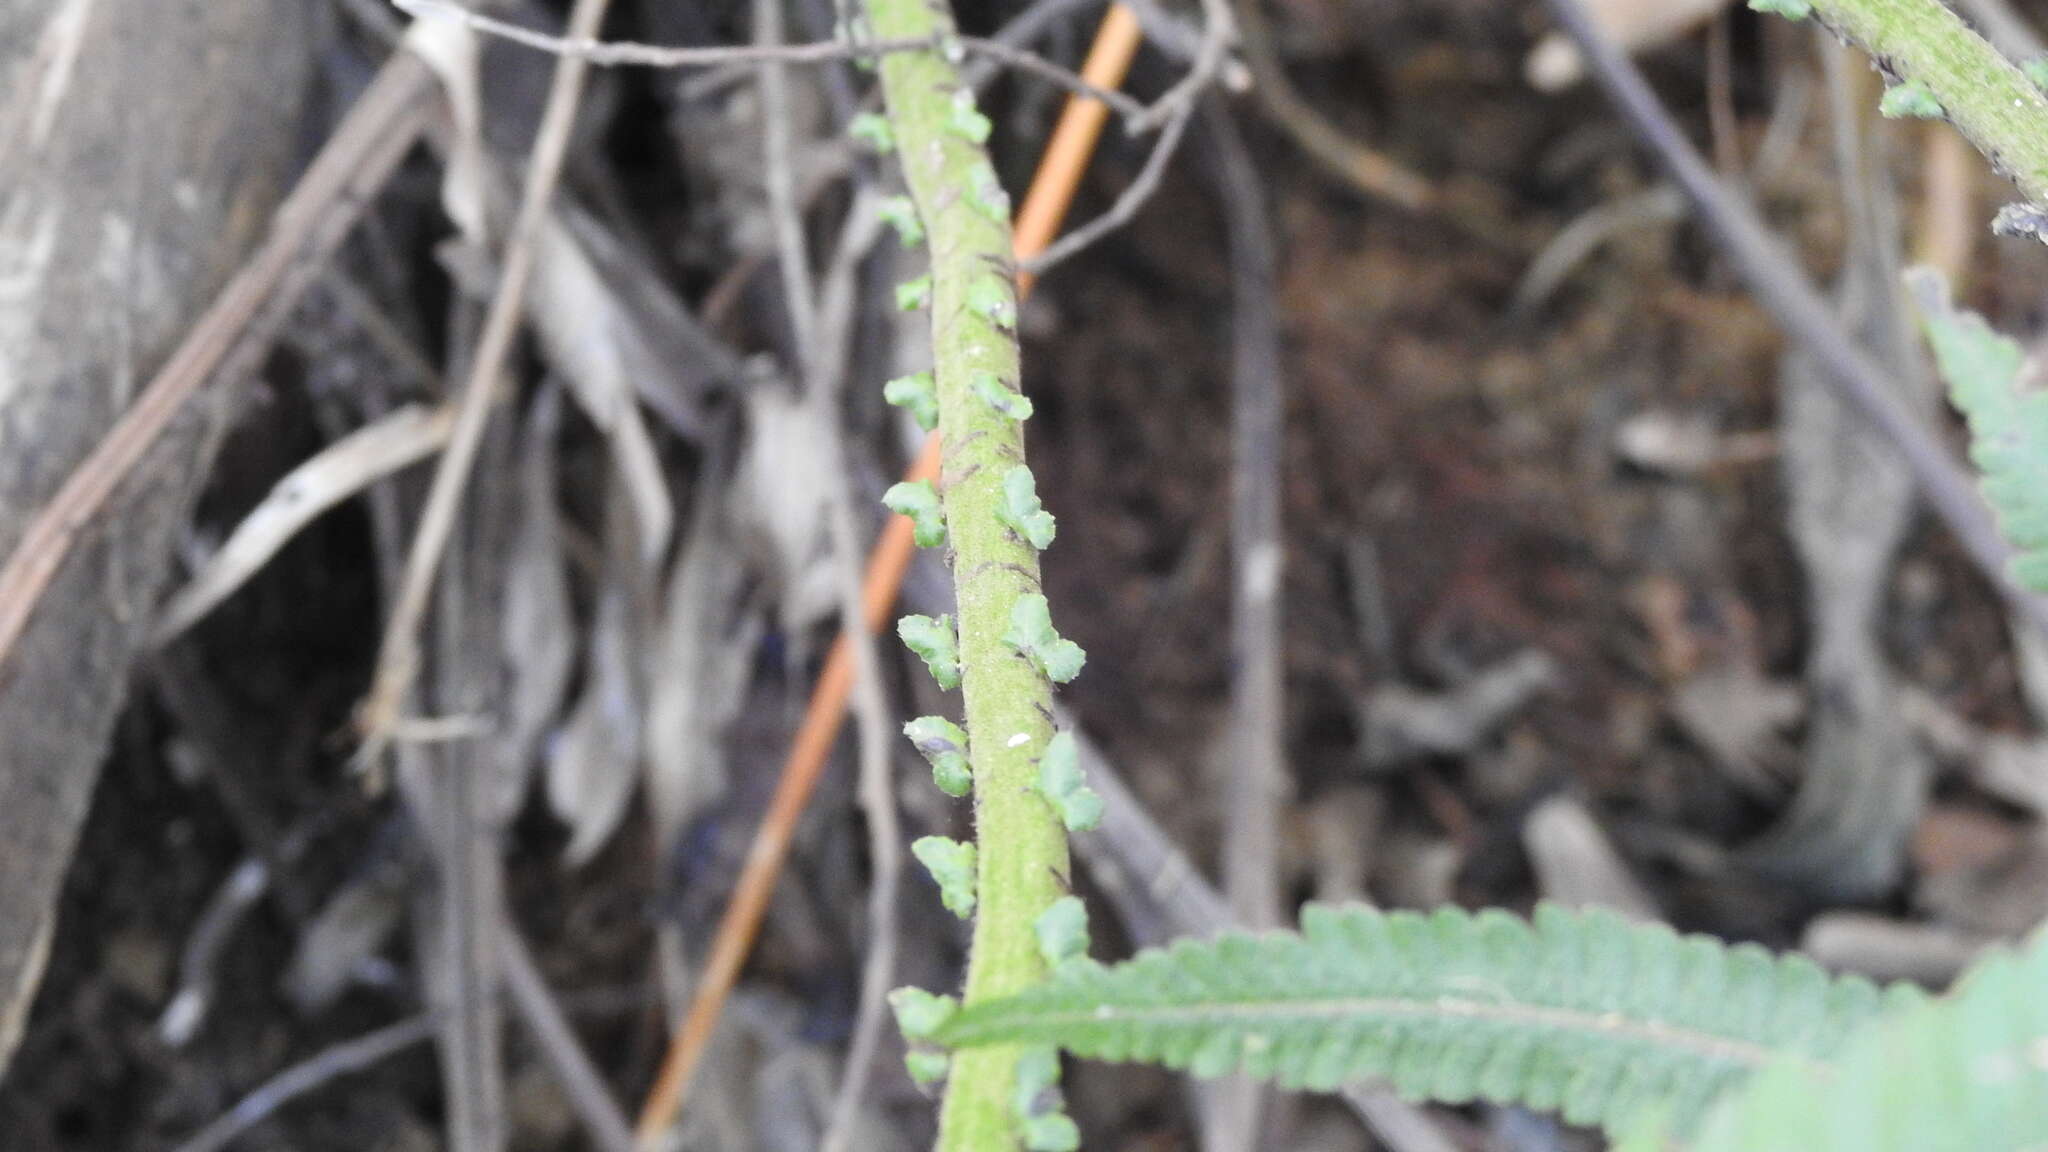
(1909, 100)
(917, 395)
(985, 192)
(1582, 1013)
(1964, 1073)
(944, 745)
(1021, 511)
(920, 1014)
(1063, 785)
(914, 294)
(999, 396)
(899, 213)
(918, 500)
(937, 643)
(1031, 633)
(951, 864)
(1038, 1105)
(2008, 420)
(1789, 9)
(873, 129)
(2036, 69)
(927, 1066)
(994, 299)
(1051, 1132)
(967, 122)
(1062, 931)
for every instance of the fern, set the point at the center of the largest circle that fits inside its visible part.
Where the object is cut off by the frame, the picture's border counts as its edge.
(1580, 1012)
(2008, 421)
(1965, 1073)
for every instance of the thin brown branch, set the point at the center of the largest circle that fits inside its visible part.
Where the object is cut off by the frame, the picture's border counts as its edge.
(1128, 202)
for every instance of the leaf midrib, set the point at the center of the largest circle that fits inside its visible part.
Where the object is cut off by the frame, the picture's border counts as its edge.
(1056, 1023)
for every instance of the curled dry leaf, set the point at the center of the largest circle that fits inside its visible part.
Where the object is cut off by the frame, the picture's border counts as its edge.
(1636, 25)
(593, 769)
(1740, 718)
(592, 340)
(348, 931)
(780, 503)
(1402, 723)
(698, 666)
(537, 629)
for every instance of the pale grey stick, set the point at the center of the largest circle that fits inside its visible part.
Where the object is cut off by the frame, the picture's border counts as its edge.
(398, 658)
(340, 1060)
(581, 1082)
(1252, 796)
(871, 708)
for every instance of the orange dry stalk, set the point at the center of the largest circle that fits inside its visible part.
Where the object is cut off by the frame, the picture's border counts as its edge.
(1045, 207)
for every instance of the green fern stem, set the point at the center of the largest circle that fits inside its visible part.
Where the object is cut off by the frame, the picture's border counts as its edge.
(1022, 844)
(1986, 96)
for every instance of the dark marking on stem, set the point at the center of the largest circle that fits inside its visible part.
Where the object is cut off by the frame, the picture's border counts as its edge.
(953, 478)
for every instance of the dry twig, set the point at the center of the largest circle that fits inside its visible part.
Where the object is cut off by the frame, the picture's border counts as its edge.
(342, 1059)
(1258, 772)
(622, 53)
(1360, 166)
(398, 658)
(580, 1080)
(871, 704)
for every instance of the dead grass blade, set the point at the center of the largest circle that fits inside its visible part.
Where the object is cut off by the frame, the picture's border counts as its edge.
(344, 468)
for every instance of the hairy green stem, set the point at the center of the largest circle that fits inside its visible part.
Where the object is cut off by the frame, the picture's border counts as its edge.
(1022, 847)
(1986, 96)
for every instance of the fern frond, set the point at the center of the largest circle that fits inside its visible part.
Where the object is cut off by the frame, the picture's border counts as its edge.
(1579, 1012)
(2008, 420)
(1964, 1073)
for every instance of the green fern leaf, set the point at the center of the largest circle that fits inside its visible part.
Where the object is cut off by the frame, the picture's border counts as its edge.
(1964, 1073)
(1578, 1012)
(2008, 420)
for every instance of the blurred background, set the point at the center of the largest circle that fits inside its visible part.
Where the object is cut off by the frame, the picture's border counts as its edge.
(1591, 585)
